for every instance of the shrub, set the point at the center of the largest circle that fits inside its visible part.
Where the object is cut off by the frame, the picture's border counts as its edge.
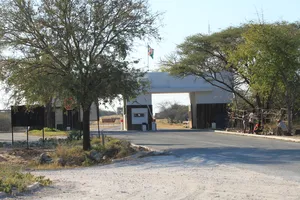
(12, 178)
(70, 156)
(118, 148)
(46, 129)
(75, 135)
(96, 141)
(99, 148)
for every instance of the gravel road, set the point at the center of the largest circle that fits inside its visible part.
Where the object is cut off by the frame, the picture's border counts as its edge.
(165, 178)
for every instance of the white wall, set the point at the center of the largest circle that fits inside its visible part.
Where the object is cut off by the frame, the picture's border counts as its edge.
(93, 113)
(163, 82)
(194, 108)
(141, 100)
(58, 116)
(215, 96)
(201, 91)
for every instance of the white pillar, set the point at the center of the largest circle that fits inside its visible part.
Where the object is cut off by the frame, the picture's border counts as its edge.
(124, 123)
(194, 109)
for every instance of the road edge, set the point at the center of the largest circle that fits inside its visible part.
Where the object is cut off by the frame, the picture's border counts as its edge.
(284, 138)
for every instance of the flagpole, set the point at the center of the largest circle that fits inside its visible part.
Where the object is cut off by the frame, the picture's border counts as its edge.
(148, 56)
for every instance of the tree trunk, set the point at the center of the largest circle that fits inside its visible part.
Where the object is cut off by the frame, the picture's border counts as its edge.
(270, 96)
(258, 101)
(98, 116)
(86, 127)
(289, 112)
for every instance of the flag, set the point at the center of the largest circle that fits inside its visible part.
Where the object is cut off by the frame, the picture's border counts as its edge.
(150, 52)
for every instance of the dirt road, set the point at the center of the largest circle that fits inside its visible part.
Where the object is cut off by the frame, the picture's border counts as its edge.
(165, 178)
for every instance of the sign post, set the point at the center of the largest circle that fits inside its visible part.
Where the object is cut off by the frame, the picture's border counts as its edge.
(27, 137)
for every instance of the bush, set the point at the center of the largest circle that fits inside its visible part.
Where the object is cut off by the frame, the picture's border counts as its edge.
(46, 129)
(69, 153)
(75, 135)
(96, 141)
(118, 148)
(70, 156)
(11, 178)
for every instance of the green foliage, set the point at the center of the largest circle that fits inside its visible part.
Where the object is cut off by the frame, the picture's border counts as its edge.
(11, 178)
(46, 129)
(75, 135)
(175, 113)
(49, 132)
(70, 155)
(98, 147)
(70, 47)
(270, 58)
(206, 56)
(118, 148)
(259, 63)
(87, 162)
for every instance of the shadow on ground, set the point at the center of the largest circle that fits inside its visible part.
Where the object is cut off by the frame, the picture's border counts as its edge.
(241, 155)
(226, 155)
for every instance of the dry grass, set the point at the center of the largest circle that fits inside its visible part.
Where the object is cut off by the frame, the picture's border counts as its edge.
(163, 124)
(111, 116)
(48, 133)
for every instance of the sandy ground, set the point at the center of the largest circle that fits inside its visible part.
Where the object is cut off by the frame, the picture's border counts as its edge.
(164, 178)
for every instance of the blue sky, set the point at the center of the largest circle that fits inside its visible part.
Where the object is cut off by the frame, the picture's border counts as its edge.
(183, 18)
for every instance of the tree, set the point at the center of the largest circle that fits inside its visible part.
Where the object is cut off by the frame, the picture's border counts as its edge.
(83, 44)
(206, 56)
(32, 88)
(173, 112)
(270, 58)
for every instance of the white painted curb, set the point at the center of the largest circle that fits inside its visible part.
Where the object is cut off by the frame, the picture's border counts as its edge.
(260, 136)
(145, 147)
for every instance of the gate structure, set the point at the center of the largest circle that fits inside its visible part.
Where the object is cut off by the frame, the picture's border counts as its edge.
(207, 103)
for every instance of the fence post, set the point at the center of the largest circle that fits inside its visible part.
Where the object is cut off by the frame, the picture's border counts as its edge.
(43, 136)
(12, 135)
(102, 138)
(27, 137)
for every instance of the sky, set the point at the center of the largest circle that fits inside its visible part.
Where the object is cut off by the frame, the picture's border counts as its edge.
(183, 18)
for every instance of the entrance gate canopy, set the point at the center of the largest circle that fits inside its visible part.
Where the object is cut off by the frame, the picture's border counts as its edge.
(213, 100)
(162, 82)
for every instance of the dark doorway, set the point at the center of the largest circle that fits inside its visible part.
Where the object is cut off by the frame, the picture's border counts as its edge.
(71, 119)
(209, 113)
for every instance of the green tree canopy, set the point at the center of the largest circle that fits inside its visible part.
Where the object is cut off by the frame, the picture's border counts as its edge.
(270, 58)
(174, 112)
(81, 45)
(206, 56)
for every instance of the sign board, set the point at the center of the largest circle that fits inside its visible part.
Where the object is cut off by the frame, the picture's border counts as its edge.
(27, 115)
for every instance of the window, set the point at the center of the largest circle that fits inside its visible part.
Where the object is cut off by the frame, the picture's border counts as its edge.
(139, 115)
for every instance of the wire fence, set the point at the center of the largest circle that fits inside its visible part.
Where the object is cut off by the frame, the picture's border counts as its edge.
(267, 117)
